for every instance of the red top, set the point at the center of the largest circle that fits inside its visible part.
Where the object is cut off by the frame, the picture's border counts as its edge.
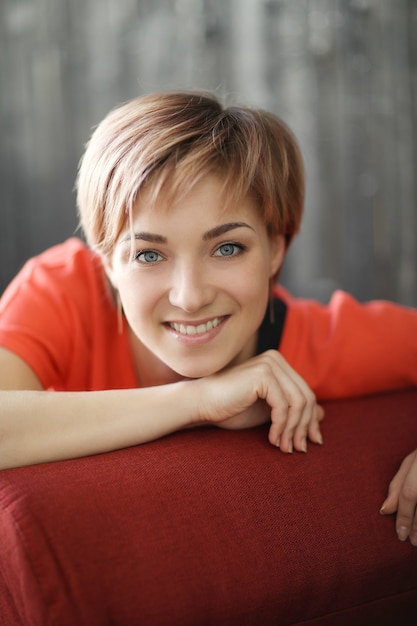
(59, 317)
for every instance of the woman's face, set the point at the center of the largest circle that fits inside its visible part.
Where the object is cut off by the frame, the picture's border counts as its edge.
(198, 287)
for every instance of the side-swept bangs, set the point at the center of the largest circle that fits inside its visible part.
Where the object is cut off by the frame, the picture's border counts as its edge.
(170, 141)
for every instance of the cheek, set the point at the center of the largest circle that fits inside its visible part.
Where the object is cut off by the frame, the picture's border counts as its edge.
(251, 292)
(138, 297)
(257, 277)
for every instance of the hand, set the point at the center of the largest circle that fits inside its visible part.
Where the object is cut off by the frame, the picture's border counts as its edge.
(262, 389)
(402, 497)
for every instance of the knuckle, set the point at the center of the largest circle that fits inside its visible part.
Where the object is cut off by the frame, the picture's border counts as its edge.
(282, 408)
(288, 431)
(403, 519)
(264, 369)
(302, 428)
(299, 402)
(320, 414)
(393, 487)
(265, 357)
(306, 402)
(311, 398)
(409, 493)
(272, 354)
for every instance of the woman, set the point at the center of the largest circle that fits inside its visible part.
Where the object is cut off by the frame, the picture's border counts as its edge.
(171, 316)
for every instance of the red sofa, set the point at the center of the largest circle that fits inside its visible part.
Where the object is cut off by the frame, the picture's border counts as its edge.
(215, 527)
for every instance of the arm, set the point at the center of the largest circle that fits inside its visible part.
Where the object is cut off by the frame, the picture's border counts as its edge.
(38, 426)
(402, 499)
(346, 348)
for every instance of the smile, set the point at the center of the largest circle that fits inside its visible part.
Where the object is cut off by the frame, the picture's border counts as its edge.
(199, 329)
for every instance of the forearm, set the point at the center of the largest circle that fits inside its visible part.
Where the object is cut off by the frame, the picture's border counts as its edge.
(41, 426)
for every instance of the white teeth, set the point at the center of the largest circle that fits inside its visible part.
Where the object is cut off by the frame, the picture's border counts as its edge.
(196, 330)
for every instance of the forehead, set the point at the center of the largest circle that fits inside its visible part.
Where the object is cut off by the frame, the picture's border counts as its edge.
(210, 197)
(205, 212)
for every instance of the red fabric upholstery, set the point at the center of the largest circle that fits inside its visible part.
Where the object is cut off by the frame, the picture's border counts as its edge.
(215, 527)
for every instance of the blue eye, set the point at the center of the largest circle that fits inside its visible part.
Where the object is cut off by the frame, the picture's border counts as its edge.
(229, 249)
(148, 257)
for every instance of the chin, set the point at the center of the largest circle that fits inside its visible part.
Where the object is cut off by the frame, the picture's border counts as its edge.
(199, 370)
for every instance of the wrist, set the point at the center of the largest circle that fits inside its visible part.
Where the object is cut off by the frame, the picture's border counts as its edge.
(193, 392)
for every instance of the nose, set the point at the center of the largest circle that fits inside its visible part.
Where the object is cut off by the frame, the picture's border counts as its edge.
(191, 288)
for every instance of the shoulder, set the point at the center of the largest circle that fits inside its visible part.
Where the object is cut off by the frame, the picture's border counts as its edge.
(346, 348)
(66, 259)
(69, 268)
(57, 312)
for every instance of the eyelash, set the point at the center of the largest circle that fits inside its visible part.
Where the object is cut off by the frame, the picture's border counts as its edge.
(240, 249)
(142, 252)
(239, 246)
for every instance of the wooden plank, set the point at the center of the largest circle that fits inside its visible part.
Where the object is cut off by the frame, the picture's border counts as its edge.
(342, 74)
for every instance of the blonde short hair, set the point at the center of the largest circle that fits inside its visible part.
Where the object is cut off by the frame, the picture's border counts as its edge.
(171, 140)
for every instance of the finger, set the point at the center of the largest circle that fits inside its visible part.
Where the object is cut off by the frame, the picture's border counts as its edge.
(277, 400)
(286, 413)
(406, 509)
(413, 533)
(321, 414)
(314, 430)
(282, 395)
(292, 434)
(308, 427)
(310, 430)
(301, 405)
(301, 432)
(297, 409)
(301, 410)
(303, 421)
(391, 503)
(278, 419)
(284, 366)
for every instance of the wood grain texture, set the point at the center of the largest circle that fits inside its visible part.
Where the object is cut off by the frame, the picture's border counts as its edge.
(342, 73)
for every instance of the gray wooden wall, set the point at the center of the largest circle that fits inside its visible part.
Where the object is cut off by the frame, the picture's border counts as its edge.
(342, 73)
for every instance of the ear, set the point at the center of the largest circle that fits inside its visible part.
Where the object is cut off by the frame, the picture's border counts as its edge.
(278, 248)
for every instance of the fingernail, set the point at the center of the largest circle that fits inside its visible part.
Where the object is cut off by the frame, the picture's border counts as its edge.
(402, 533)
(413, 539)
(303, 445)
(320, 440)
(290, 448)
(381, 510)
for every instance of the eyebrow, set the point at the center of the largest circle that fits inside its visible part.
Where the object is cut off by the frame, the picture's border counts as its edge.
(217, 231)
(151, 237)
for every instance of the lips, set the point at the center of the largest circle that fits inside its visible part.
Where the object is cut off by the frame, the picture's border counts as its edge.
(195, 329)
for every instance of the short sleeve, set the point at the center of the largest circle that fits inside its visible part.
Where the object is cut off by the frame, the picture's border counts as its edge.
(46, 314)
(347, 348)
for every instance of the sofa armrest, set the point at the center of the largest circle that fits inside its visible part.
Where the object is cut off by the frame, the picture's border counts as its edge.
(215, 527)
